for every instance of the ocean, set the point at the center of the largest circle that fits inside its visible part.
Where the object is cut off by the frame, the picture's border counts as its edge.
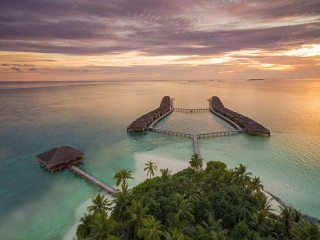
(93, 116)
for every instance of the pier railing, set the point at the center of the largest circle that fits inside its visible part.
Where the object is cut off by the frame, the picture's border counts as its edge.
(90, 178)
(170, 132)
(191, 110)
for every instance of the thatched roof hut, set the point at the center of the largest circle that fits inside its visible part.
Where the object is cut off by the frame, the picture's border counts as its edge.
(141, 123)
(251, 126)
(59, 157)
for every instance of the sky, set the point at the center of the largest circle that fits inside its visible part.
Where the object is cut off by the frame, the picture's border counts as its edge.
(67, 40)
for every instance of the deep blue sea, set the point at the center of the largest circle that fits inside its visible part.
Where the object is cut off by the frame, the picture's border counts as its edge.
(93, 116)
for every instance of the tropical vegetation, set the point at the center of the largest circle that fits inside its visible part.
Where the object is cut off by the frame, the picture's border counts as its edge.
(213, 203)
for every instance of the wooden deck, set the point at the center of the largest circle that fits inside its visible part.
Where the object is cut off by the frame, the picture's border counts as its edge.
(236, 126)
(196, 145)
(219, 133)
(170, 132)
(195, 137)
(191, 110)
(90, 178)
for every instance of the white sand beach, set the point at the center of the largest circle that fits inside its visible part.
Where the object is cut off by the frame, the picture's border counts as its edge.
(140, 175)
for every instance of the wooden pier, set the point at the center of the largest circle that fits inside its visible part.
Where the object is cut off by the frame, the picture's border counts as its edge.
(90, 178)
(219, 134)
(169, 132)
(196, 145)
(191, 110)
(196, 136)
(232, 123)
(236, 119)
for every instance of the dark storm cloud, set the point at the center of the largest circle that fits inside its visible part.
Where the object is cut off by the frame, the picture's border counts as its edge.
(152, 27)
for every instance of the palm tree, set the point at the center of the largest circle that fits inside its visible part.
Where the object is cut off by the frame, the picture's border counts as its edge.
(137, 211)
(182, 207)
(287, 218)
(259, 222)
(103, 227)
(241, 175)
(218, 235)
(175, 222)
(100, 204)
(151, 229)
(166, 174)
(151, 168)
(122, 176)
(84, 228)
(114, 238)
(174, 235)
(196, 162)
(121, 201)
(256, 183)
(302, 231)
(212, 225)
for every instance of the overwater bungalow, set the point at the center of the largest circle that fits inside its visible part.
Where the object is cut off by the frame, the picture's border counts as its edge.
(256, 129)
(251, 126)
(141, 123)
(59, 157)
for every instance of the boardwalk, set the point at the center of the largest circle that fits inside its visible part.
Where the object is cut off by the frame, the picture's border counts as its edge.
(195, 137)
(196, 145)
(90, 178)
(191, 110)
(201, 135)
(172, 132)
(218, 134)
(236, 126)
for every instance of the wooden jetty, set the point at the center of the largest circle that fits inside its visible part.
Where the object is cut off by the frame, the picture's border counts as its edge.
(250, 126)
(141, 123)
(65, 156)
(196, 145)
(191, 110)
(219, 133)
(170, 132)
(232, 123)
(238, 121)
(90, 178)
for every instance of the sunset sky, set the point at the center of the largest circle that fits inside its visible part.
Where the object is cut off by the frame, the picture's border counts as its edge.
(158, 39)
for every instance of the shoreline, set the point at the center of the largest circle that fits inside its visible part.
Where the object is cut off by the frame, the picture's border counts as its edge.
(175, 166)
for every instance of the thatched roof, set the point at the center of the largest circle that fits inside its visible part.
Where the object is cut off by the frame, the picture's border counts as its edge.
(251, 126)
(59, 155)
(142, 122)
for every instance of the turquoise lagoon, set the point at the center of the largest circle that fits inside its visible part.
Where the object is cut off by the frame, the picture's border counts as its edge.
(92, 117)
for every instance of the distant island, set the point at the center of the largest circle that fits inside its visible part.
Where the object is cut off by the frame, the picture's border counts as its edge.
(255, 79)
(196, 203)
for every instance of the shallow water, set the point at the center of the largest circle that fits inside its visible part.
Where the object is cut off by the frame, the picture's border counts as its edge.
(92, 117)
